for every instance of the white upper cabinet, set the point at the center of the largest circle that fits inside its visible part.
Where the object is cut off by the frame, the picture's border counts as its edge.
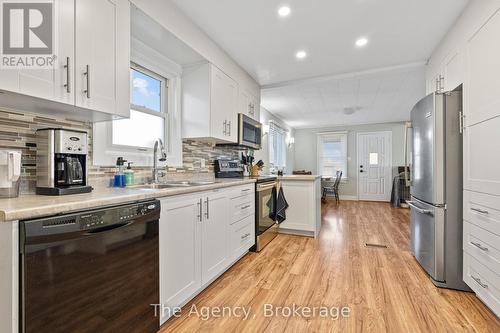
(50, 84)
(249, 104)
(483, 71)
(209, 104)
(481, 157)
(453, 70)
(92, 67)
(448, 75)
(102, 64)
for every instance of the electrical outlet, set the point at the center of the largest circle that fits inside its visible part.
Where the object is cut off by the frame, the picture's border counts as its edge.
(202, 162)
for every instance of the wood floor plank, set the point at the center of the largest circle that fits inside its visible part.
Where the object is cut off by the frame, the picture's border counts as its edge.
(385, 288)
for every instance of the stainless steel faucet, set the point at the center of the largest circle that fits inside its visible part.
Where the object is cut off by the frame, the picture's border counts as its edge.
(163, 158)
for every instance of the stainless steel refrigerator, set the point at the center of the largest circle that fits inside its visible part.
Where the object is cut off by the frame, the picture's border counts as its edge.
(436, 187)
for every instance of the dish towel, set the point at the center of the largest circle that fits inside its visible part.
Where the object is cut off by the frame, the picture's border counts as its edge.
(281, 206)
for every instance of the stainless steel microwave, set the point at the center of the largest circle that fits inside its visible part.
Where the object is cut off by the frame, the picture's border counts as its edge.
(249, 132)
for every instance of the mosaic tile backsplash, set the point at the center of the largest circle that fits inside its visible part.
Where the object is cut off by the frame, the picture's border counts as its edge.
(18, 132)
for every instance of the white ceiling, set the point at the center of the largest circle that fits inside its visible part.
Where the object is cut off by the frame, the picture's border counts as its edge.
(399, 32)
(375, 97)
(380, 82)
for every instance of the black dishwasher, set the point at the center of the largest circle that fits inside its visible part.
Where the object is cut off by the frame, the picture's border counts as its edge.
(94, 271)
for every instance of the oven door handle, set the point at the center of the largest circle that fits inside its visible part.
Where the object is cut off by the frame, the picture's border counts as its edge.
(261, 187)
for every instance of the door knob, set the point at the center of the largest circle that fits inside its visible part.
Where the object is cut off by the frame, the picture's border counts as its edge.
(361, 171)
(360, 166)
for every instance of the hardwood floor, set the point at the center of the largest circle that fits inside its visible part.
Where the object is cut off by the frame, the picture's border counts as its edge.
(385, 288)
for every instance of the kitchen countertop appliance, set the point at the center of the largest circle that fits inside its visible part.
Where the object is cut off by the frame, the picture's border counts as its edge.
(436, 187)
(10, 173)
(93, 271)
(228, 168)
(61, 162)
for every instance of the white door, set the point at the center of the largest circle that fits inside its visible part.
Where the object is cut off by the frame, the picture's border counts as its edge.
(180, 251)
(51, 84)
(215, 247)
(374, 166)
(102, 34)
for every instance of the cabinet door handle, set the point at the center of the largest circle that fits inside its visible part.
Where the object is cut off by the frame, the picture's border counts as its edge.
(437, 85)
(67, 67)
(481, 211)
(441, 82)
(246, 190)
(245, 207)
(479, 246)
(229, 126)
(478, 280)
(207, 213)
(87, 74)
(224, 127)
(245, 236)
(199, 210)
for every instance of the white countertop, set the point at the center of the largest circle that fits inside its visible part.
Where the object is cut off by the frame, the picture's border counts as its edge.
(299, 177)
(34, 206)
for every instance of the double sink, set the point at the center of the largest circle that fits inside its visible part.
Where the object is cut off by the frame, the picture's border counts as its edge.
(163, 185)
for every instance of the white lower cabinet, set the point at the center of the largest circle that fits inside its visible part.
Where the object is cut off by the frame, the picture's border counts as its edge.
(199, 240)
(481, 244)
(214, 240)
(241, 237)
(180, 251)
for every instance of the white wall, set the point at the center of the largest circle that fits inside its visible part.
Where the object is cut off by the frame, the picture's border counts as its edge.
(174, 20)
(263, 154)
(306, 150)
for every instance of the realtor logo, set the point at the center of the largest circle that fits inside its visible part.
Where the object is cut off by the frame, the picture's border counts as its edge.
(27, 34)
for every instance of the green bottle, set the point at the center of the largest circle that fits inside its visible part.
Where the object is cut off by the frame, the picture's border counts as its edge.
(129, 175)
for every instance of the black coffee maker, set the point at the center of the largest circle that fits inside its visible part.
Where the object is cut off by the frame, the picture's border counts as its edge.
(61, 160)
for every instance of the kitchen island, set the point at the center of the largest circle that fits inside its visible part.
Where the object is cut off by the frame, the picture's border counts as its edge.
(303, 194)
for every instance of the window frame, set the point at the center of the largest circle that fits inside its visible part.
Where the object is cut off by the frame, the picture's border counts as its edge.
(275, 128)
(105, 153)
(320, 141)
(163, 113)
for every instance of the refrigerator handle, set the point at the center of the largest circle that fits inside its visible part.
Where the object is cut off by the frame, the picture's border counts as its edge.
(408, 125)
(418, 209)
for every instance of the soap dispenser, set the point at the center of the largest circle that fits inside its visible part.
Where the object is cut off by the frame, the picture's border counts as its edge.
(119, 179)
(129, 175)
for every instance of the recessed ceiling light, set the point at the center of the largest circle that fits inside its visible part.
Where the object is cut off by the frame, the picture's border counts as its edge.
(301, 54)
(284, 11)
(360, 42)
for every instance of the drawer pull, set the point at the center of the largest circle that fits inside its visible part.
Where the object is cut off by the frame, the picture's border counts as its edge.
(479, 246)
(245, 207)
(246, 190)
(479, 282)
(245, 236)
(481, 211)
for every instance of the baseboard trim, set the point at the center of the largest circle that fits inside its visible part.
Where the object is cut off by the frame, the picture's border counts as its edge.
(349, 197)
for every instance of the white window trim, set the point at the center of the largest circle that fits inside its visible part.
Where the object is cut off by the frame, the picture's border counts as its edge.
(318, 148)
(105, 153)
(285, 148)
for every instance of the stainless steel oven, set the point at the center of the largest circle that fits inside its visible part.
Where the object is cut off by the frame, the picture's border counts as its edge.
(249, 132)
(266, 227)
